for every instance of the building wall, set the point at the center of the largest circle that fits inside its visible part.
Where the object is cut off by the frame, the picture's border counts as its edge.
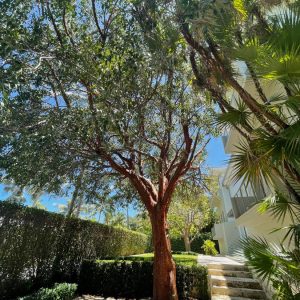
(230, 229)
(263, 225)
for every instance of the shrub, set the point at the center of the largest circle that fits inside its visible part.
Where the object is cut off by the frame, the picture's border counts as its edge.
(60, 291)
(133, 279)
(209, 248)
(38, 248)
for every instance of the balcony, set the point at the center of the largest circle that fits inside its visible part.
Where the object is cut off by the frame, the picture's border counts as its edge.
(241, 204)
(246, 196)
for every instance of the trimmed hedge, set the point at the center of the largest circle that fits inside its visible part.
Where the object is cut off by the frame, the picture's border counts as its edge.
(177, 244)
(134, 279)
(60, 291)
(38, 248)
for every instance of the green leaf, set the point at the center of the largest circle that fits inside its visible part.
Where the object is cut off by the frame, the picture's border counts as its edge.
(240, 7)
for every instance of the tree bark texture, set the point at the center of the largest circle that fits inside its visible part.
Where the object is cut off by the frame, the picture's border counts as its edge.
(164, 272)
(187, 242)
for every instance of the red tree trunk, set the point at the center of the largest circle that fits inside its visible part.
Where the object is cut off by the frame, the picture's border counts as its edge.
(164, 273)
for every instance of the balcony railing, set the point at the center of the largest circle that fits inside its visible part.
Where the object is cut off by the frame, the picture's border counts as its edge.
(241, 204)
(246, 197)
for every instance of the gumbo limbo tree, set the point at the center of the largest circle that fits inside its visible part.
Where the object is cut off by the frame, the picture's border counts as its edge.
(84, 86)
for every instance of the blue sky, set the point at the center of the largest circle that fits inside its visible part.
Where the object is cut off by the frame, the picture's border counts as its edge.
(215, 158)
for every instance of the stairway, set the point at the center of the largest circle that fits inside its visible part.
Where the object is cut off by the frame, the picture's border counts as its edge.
(233, 281)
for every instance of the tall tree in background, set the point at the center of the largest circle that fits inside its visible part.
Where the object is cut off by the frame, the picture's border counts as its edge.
(83, 84)
(17, 194)
(190, 213)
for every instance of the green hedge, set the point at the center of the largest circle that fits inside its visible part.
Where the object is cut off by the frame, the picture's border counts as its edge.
(38, 248)
(133, 279)
(196, 246)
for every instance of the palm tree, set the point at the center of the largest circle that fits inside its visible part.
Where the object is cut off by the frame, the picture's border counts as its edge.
(268, 44)
(269, 47)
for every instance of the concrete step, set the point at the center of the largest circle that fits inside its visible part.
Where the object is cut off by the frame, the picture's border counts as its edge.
(236, 282)
(223, 297)
(240, 274)
(237, 292)
(227, 267)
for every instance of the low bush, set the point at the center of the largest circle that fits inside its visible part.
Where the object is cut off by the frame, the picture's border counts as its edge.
(134, 279)
(38, 248)
(209, 248)
(60, 291)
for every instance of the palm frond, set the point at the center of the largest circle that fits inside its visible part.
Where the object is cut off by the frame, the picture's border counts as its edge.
(285, 28)
(283, 102)
(278, 98)
(293, 233)
(260, 257)
(251, 164)
(278, 56)
(280, 205)
(239, 6)
(283, 146)
(271, 262)
(235, 117)
(250, 51)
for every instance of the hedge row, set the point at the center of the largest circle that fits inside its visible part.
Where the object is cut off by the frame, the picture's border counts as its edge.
(134, 279)
(38, 248)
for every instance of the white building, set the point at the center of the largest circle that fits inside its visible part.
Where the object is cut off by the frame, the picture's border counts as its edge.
(238, 205)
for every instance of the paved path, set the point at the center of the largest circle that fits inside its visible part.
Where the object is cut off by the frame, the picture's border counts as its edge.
(207, 259)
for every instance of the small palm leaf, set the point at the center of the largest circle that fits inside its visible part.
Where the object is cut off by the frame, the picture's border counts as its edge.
(239, 5)
(291, 103)
(294, 104)
(285, 30)
(293, 233)
(251, 164)
(235, 117)
(279, 205)
(249, 52)
(280, 147)
(272, 262)
(259, 257)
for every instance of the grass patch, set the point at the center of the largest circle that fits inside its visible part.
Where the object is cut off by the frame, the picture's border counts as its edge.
(181, 259)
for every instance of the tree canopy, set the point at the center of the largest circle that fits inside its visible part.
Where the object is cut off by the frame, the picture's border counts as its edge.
(89, 91)
(101, 86)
